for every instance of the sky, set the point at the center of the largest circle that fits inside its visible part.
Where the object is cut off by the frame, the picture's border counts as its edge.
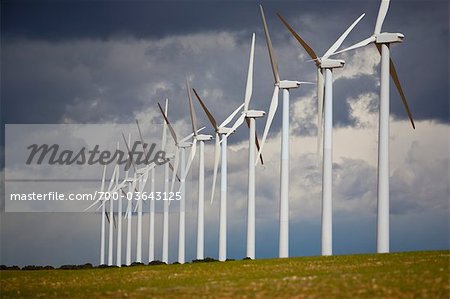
(104, 62)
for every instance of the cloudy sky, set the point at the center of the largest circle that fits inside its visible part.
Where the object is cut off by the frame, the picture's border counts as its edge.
(112, 61)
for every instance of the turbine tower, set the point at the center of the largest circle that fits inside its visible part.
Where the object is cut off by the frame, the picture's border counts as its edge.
(383, 40)
(325, 65)
(284, 85)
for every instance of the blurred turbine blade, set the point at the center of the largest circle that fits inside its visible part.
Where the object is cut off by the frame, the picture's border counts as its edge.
(307, 48)
(211, 118)
(249, 85)
(341, 39)
(232, 115)
(175, 168)
(256, 141)
(216, 165)
(320, 99)
(237, 124)
(363, 43)
(273, 60)
(270, 116)
(384, 6)
(191, 109)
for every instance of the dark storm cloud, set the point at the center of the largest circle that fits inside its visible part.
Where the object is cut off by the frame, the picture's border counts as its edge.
(49, 90)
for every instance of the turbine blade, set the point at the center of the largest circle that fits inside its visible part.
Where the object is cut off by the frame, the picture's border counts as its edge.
(362, 43)
(113, 178)
(381, 15)
(216, 165)
(270, 116)
(400, 91)
(102, 187)
(172, 131)
(142, 139)
(175, 168)
(191, 109)
(191, 158)
(341, 39)
(320, 99)
(191, 135)
(256, 141)
(232, 115)
(164, 134)
(129, 153)
(249, 85)
(211, 118)
(273, 60)
(307, 48)
(237, 124)
(394, 76)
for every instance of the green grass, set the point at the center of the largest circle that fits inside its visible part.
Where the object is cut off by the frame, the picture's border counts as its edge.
(397, 275)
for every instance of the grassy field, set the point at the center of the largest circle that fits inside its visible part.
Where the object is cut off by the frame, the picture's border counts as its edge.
(397, 275)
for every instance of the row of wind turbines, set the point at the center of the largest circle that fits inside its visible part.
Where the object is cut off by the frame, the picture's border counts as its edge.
(178, 166)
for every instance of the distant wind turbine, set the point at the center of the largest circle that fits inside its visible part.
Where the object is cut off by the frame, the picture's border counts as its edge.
(249, 116)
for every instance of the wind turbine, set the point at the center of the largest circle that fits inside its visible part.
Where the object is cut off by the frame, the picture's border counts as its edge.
(181, 146)
(249, 116)
(165, 244)
(151, 237)
(383, 40)
(325, 65)
(102, 236)
(114, 179)
(201, 138)
(131, 186)
(284, 85)
(220, 153)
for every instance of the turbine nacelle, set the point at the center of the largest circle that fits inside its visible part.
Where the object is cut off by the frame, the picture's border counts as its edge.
(254, 113)
(225, 130)
(286, 84)
(331, 63)
(184, 144)
(202, 137)
(389, 38)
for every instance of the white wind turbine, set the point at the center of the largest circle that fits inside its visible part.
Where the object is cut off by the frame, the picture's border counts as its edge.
(167, 166)
(325, 65)
(165, 244)
(102, 236)
(249, 116)
(382, 40)
(181, 146)
(201, 138)
(220, 153)
(114, 179)
(151, 237)
(119, 219)
(285, 85)
(128, 214)
(140, 179)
